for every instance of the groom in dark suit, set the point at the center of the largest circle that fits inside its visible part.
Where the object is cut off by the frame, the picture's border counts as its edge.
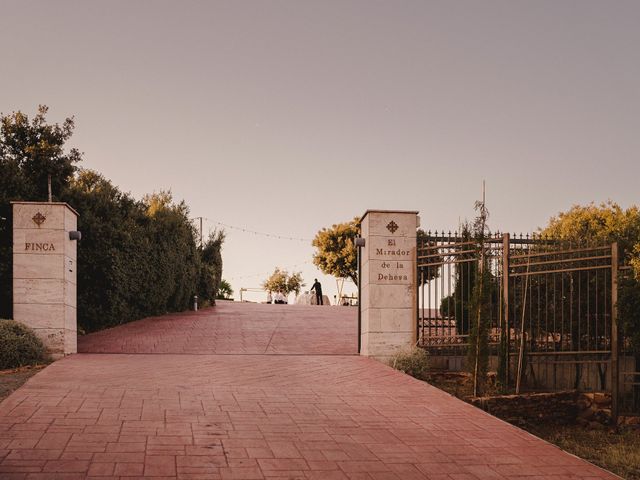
(318, 289)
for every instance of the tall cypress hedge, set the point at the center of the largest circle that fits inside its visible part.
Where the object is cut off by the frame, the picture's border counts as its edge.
(136, 258)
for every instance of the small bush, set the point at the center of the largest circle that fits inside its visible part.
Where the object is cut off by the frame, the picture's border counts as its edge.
(19, 346)
(413, 361)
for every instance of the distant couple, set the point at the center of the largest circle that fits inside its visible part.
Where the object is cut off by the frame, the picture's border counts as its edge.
(318, 289)
(279, 298)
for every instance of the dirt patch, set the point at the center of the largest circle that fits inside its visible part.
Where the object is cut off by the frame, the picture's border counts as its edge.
(11, 380)
(460, 384)
(556, 408)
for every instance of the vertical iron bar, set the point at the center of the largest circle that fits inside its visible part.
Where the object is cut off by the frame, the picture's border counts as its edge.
(562, 304)
(555, 313)
(428, 314)
(359, 300)
(606, 312)
(435, 303)
(421, 311)
(439, 301)
(505, 301)
(450, 334)
(546, 312)
(571, 291)
(531, 349)
(596, 314)
(588, 311)
(615, 391)
(538, 317)
(469, 287)
(579, 311)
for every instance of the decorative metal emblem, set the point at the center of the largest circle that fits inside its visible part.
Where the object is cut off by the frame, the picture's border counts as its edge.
(38, 219)
(392, 226)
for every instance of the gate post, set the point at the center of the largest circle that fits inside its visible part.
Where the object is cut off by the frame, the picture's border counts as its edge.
(388, 282)
(44, 272)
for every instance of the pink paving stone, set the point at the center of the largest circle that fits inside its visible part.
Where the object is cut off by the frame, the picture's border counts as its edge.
(295, 464)
(129, 469)
(241, 473)
(53, 441)
(254, 391)
(66, 466)
(101, 469)
(259, 452)
(160, 466)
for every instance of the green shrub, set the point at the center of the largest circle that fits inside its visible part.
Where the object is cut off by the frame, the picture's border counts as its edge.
(413, 361)
(19, 346)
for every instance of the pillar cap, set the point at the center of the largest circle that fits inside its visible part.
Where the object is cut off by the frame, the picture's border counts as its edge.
(65, 204)
(414, 212)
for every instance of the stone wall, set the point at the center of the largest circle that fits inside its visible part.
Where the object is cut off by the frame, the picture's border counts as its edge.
(547, 372)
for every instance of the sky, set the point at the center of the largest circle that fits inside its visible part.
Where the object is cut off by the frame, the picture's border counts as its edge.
(284, 117)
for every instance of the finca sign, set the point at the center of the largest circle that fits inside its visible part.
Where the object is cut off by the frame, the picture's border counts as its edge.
(39, 247)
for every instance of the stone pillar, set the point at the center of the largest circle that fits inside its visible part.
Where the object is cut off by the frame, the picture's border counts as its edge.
(44, 273)
(388, 283)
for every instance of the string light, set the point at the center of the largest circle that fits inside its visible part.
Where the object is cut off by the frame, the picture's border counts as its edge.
(240, 277)
(264, 234)
(255, 232)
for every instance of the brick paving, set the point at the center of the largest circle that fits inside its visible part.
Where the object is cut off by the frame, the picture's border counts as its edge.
(197, 409)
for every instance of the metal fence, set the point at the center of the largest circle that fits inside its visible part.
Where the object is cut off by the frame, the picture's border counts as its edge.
(551, 312)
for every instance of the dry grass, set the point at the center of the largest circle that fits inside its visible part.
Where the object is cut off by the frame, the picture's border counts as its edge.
(618, 452)
(413, 361)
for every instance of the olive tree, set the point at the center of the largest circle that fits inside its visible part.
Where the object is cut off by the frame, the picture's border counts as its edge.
(336, 251)
(281, 281)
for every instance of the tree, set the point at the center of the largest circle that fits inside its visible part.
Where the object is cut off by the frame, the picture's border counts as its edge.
(426, 274)
(30, 151)
(225, 292)
(336, 251)
(282, 281)
(174, 254)
(478, 353)
(211, 267)
(604, 224)
(114, 264)
(457, 305)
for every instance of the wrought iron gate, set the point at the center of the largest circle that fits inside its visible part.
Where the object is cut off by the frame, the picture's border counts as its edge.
(552, 309)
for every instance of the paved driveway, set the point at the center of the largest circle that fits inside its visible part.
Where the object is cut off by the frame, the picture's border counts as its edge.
(218, 407)
(247, 328)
